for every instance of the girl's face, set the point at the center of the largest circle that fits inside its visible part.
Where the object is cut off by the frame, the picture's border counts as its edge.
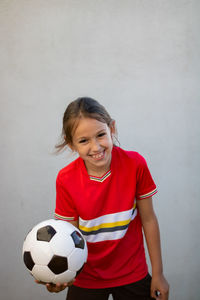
(92, 140)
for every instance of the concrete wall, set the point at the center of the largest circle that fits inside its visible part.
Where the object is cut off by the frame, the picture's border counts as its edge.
(140, 59)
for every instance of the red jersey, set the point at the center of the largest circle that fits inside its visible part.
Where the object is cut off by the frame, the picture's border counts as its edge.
(108, 217)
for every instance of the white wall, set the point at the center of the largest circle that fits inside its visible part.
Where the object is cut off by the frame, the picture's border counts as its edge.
(140, 59)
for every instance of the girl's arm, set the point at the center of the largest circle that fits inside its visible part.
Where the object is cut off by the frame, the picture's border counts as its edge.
(75, 223)
(152, 235)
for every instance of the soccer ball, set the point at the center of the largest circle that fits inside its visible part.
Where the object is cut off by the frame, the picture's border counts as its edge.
(54, 251)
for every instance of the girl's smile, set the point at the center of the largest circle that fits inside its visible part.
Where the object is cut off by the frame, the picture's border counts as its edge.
(98, 156)
(92, 140)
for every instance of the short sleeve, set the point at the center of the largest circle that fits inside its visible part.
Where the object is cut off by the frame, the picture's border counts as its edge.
(145, 185)
(65, 208)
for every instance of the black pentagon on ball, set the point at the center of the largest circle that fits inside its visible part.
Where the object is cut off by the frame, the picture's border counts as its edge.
(45, 233)
(78, 240)
(58, 264)
(28, 260)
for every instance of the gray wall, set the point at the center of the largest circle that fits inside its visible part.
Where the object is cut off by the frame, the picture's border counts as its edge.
(141, 60)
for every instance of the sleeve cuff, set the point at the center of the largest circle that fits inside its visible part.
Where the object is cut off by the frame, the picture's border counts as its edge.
(148, 195)
(64, 218)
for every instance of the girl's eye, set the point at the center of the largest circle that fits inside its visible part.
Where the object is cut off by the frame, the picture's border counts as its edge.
(101, 134)
(83, 141)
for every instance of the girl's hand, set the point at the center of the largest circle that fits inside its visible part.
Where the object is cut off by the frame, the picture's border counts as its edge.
(55, 288)
(159, 288)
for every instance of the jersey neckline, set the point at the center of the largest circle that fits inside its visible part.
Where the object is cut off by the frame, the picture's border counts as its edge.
(102, 178)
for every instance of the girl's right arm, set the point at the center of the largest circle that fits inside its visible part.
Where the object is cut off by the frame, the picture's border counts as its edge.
(75, 223)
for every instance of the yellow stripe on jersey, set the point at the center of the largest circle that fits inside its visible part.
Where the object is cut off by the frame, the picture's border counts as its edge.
(107, 227)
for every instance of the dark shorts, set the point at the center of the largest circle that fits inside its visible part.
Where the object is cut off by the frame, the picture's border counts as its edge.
(139, 290)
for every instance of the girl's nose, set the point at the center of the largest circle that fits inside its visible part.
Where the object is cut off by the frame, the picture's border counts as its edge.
(95, 145)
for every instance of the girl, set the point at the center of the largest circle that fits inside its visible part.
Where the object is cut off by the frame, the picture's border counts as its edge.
(107, 193)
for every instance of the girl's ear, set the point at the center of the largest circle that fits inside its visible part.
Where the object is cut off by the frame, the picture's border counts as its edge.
(113, 127)
(70, 145)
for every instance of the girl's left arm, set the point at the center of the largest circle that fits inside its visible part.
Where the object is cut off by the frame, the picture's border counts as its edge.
(159, 285)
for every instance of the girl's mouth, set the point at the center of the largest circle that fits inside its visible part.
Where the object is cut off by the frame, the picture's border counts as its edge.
(98, 156)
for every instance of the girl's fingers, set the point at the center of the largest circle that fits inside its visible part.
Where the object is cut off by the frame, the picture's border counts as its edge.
(40, 282)
(55, 288)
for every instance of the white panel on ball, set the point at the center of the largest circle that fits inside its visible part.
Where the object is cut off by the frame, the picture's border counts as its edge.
(65, 277)
(43, 273)
(41, 253)
(62, 244)
(75, 260)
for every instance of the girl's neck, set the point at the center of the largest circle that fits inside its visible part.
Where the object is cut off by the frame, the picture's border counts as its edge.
(97, 172)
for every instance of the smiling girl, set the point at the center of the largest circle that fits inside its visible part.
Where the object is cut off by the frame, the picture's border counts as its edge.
(107, 193)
